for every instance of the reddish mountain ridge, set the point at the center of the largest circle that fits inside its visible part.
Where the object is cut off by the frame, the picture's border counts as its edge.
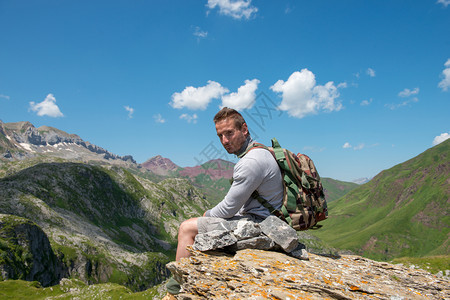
(216, 169)
(160, 165)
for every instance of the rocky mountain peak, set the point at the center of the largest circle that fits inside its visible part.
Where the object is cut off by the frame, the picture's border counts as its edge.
(159, 165)
(22, 139)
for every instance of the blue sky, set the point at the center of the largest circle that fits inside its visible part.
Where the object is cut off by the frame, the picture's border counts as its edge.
(359, 86)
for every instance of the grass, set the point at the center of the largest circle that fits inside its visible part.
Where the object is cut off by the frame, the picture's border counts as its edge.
(69, 289)
(402, 212)
(432, 264)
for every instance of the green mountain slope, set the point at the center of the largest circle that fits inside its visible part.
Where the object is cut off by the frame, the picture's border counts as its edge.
(103, 223)
(335, 189)
(403, 211)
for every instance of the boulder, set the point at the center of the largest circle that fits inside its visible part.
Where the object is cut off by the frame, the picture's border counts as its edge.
(214, 240)
(280, 232)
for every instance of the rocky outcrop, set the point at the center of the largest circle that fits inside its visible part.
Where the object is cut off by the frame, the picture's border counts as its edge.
(24, 138)
(26, 253)
(270, 234)
(259, 274)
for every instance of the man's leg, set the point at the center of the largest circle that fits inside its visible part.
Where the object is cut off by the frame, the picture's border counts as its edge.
(186, 236)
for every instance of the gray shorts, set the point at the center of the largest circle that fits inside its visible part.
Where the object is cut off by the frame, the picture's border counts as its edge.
(207, 224)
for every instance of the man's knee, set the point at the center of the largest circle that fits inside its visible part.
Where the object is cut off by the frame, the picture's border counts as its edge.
(188, 227)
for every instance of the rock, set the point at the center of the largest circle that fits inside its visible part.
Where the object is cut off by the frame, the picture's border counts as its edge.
(280, 232)
(257, 274)
(27, 254)
(300, 252)
(229, 225)
(214, 240)
(247, 229)
(260, 242)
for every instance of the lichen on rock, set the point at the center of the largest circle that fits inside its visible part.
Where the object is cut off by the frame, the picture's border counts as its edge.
(259, 274)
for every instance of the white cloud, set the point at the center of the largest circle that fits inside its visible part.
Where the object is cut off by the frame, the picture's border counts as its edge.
(445, 82)
(301, 96)
(444, 2)
(197, 98)
(342, 85)
(189, 118)
(4, 97)
(244, 98)
(359, 147)
(366, 102)
(407, 92)
(370, 72)
(393, 106)
(130, 111)
(47, 107)
(199, 33)
(347, 145)
(440, 138)
(236, 9)
(404, 94)
(159, 119)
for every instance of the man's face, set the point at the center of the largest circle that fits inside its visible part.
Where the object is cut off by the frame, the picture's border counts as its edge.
(231, 138)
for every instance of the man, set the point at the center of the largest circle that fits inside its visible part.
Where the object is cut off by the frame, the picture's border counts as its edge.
(256, 171)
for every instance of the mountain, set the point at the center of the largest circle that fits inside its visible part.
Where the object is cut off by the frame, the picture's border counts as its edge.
(103, 223)
(215, 169)
(160, 165)
(403, 211)
(335, 189)
(22, 140)
(361, 180)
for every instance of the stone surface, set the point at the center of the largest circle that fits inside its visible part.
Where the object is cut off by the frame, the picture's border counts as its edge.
(260, 242)
(280, 232)
(246, 230)
(300, 252)
(257, 274)
(214, 240)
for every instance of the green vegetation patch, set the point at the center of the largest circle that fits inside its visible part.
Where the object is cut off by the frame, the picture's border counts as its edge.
(69, 289)
(432, 264)
(403, 211)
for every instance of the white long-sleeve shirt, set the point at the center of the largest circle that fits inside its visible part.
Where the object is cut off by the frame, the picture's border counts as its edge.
(259, 171)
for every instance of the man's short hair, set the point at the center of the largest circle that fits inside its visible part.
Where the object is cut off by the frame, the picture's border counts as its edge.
(226, 113)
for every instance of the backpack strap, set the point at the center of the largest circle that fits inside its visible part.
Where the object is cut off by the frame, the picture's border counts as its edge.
(278, 154)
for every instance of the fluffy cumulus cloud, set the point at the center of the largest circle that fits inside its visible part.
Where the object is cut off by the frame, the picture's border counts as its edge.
(244, 98)
(347, 145)
(236, 9)
(197, 98)
(47, 107)
(189, 118)
(445, 82)
(130, 111)
(407, 92)
(301, 96)
(440, 138)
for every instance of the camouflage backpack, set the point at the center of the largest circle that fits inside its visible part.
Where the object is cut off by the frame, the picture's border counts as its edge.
(304, 201)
